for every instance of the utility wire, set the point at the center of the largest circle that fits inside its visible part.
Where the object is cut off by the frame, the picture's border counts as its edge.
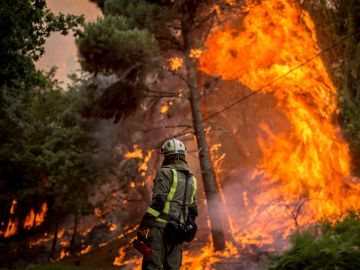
(243, 98)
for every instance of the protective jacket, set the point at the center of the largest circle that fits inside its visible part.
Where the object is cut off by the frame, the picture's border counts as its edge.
(168, 194)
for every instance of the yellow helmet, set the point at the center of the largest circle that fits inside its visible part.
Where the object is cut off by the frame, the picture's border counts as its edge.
(173, 146)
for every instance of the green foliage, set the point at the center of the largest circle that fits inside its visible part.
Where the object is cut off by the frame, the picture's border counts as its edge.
(99, 3)
(120, 44)
(48, 154)
(110, 45)
(331, 246)
(119, 99)
(45, 146)
(24, 27)
(141, 14)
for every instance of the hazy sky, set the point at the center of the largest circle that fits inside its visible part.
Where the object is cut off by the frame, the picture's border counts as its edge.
(61, 50)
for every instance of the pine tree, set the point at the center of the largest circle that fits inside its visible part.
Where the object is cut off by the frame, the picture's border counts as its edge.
(137, 36)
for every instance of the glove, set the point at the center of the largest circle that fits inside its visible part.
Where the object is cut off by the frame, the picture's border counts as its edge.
(144, 226)
(141, 234)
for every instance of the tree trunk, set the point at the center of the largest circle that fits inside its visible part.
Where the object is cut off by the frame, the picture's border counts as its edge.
(54, 242)
(207, 171)
(73, 238)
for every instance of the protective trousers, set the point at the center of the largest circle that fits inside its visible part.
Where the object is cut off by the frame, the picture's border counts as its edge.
(166, 255)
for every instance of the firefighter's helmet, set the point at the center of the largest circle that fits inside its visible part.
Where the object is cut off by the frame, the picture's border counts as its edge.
(173, 146)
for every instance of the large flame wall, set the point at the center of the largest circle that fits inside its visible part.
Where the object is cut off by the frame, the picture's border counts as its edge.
(306, 166)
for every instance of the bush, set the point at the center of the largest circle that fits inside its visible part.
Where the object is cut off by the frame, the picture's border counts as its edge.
(326, 246)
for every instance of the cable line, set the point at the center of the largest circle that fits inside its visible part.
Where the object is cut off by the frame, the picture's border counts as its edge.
(241, 99)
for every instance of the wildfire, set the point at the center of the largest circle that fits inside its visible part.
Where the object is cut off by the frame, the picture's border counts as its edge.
(31, 220)
(308, 163)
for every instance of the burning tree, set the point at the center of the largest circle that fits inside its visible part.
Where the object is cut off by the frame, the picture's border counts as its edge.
(135, 39)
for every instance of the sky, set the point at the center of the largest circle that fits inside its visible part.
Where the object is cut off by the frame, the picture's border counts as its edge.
(61, 50)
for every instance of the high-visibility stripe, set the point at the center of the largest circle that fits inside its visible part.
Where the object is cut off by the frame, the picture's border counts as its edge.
(194, 191)
(160, 220)
(171, 193)
(153, 212)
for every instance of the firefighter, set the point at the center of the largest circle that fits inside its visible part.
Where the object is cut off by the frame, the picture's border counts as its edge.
(174, 201)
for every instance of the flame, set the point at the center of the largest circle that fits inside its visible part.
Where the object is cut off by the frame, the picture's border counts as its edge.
(137, 153)
(143, 166)
(87, 249)
(40, 217)
(11, 228)
(113, 227)
(217, 10)
(98, 212)
(175, 63)
(309, 162)
(29, 220)
(64, 253)
(165, 107)
(13, 206)
(122, 259)
(37, 220)
(195, 53)
(206, 257)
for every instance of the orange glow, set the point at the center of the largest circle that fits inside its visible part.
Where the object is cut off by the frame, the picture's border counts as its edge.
(206, 257)
(195, 53)
(12, 225)
(64, 253)
(98, 212)
(32, 220)
(217, 9)
(165, 107)
(40, 217)
(13, 206)
(175, 63)
(180, 93)
(86, 250)
(310, 161)
(11, 229)
(29, 220)
(137, 153)
(143, 166)
(123, 260)
(113, 227)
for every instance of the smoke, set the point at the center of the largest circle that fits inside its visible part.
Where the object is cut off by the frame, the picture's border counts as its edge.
(61, 51)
